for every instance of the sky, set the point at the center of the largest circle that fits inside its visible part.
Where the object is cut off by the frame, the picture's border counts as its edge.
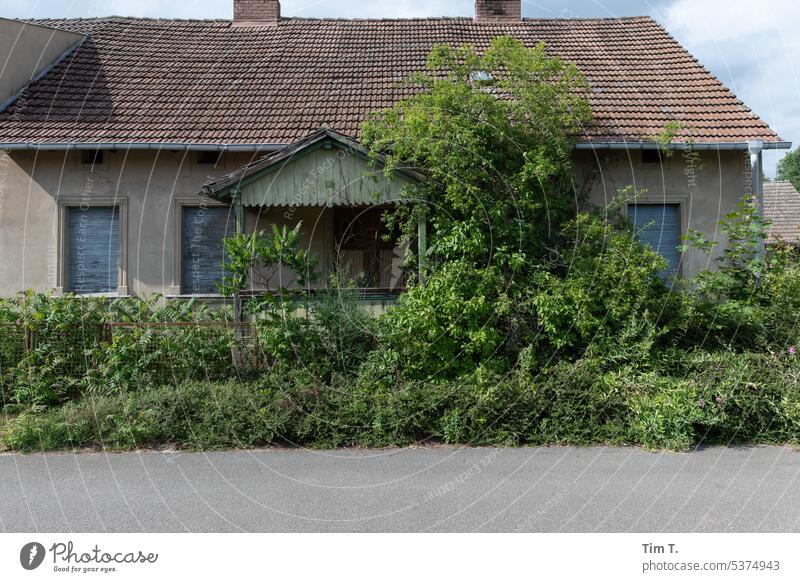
(750, 46)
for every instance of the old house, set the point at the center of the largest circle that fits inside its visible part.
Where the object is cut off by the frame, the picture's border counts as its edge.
(131, 147)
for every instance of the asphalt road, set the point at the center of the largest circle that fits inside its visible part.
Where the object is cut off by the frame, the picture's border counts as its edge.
(437, 489)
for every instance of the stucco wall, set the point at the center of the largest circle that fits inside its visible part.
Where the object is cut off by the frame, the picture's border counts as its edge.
(153, 185)
(707, 186)
(27, 49)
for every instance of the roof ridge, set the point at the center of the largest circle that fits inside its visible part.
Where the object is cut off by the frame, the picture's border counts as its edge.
(111, 17)
(119, 17)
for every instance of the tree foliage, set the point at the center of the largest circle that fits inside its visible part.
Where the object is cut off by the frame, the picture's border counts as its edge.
(258, 260)
(494, 133)
(789, 168)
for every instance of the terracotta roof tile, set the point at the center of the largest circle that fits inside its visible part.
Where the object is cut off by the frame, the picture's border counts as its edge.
(782, 208)
(146, 80)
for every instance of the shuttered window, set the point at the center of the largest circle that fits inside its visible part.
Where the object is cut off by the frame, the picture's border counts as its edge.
(93, 250)
(203, 256)
(659, 226)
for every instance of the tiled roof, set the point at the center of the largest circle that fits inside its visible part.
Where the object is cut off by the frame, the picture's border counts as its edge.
(782, 208)
(209, 82)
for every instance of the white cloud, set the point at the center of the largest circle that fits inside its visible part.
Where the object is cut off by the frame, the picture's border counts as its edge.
(752, 48)
(724, 20)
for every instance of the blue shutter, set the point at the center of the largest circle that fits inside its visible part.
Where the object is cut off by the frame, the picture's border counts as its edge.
(93, 249)
(659, 226)
(203, 233)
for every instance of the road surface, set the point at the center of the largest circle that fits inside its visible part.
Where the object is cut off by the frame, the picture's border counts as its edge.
(408, 490)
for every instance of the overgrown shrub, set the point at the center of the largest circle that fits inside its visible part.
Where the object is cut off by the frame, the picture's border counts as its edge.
(449, 325)
(72, 350)
(605, 286)
(749, 300)
(529, 323)
(721, 398)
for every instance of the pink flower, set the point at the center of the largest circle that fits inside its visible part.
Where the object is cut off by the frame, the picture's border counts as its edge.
(718, 399)
(792, 351)
(19, 322)
(701, 403)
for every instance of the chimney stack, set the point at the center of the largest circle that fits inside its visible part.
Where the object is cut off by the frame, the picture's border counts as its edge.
(256, 12)
(498, 10)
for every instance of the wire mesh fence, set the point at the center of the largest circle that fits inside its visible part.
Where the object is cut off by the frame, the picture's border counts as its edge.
(175, 351)
(64, 361)
(13, 345)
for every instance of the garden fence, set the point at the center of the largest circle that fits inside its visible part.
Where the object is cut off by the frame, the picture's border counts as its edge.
(169, 351)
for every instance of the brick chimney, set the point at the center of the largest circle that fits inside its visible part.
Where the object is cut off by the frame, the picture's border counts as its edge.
(498, 10)
(256, 12)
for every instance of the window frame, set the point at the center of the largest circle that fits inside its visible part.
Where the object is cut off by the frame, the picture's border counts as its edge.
(176, 290)
(679, 200)
(91, 167)
(219, 165)
(663, 161)
(62, 242)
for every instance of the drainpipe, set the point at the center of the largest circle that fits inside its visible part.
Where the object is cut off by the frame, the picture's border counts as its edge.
(755, 149)
(238, 213)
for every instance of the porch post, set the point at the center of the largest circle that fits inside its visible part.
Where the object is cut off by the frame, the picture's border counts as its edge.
(238, 212)
(422, 244)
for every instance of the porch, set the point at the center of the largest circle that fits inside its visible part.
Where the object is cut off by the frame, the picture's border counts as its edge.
(326, 182)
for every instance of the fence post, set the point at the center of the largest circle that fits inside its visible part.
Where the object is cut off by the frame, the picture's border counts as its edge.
(237, 315)
(26, 341)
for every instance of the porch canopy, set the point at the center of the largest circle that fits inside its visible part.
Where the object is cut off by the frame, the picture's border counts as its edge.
(325, 168)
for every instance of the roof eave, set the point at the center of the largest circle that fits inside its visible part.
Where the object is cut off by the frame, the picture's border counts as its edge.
(142, 146)
(650, 145)
(275, 147)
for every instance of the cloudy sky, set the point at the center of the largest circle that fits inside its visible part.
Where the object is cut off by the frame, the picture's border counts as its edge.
(750, 45)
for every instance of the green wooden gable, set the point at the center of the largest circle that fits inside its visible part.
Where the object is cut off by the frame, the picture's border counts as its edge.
(325, 169)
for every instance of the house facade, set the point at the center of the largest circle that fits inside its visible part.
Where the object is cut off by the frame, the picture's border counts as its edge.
(129, 148)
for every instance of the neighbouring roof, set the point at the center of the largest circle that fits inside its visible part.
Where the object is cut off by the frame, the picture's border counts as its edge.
(782, 208)
(208, 82)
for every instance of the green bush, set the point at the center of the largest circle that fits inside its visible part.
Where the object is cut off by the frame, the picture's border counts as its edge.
(139, 357)
(593, 348)
(602, 284)
(448, 326)
(72, 351)
(706, 398)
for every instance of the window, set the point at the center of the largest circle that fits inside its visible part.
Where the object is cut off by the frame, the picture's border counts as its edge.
(480, 76)
(651, 156)
(659, 226)
(213, 158)
(92, 157)
(203, 231)
(93, 248)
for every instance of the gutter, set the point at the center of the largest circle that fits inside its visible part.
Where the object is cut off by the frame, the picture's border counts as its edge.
(143, 146)
(732, 146)
(275, 147)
